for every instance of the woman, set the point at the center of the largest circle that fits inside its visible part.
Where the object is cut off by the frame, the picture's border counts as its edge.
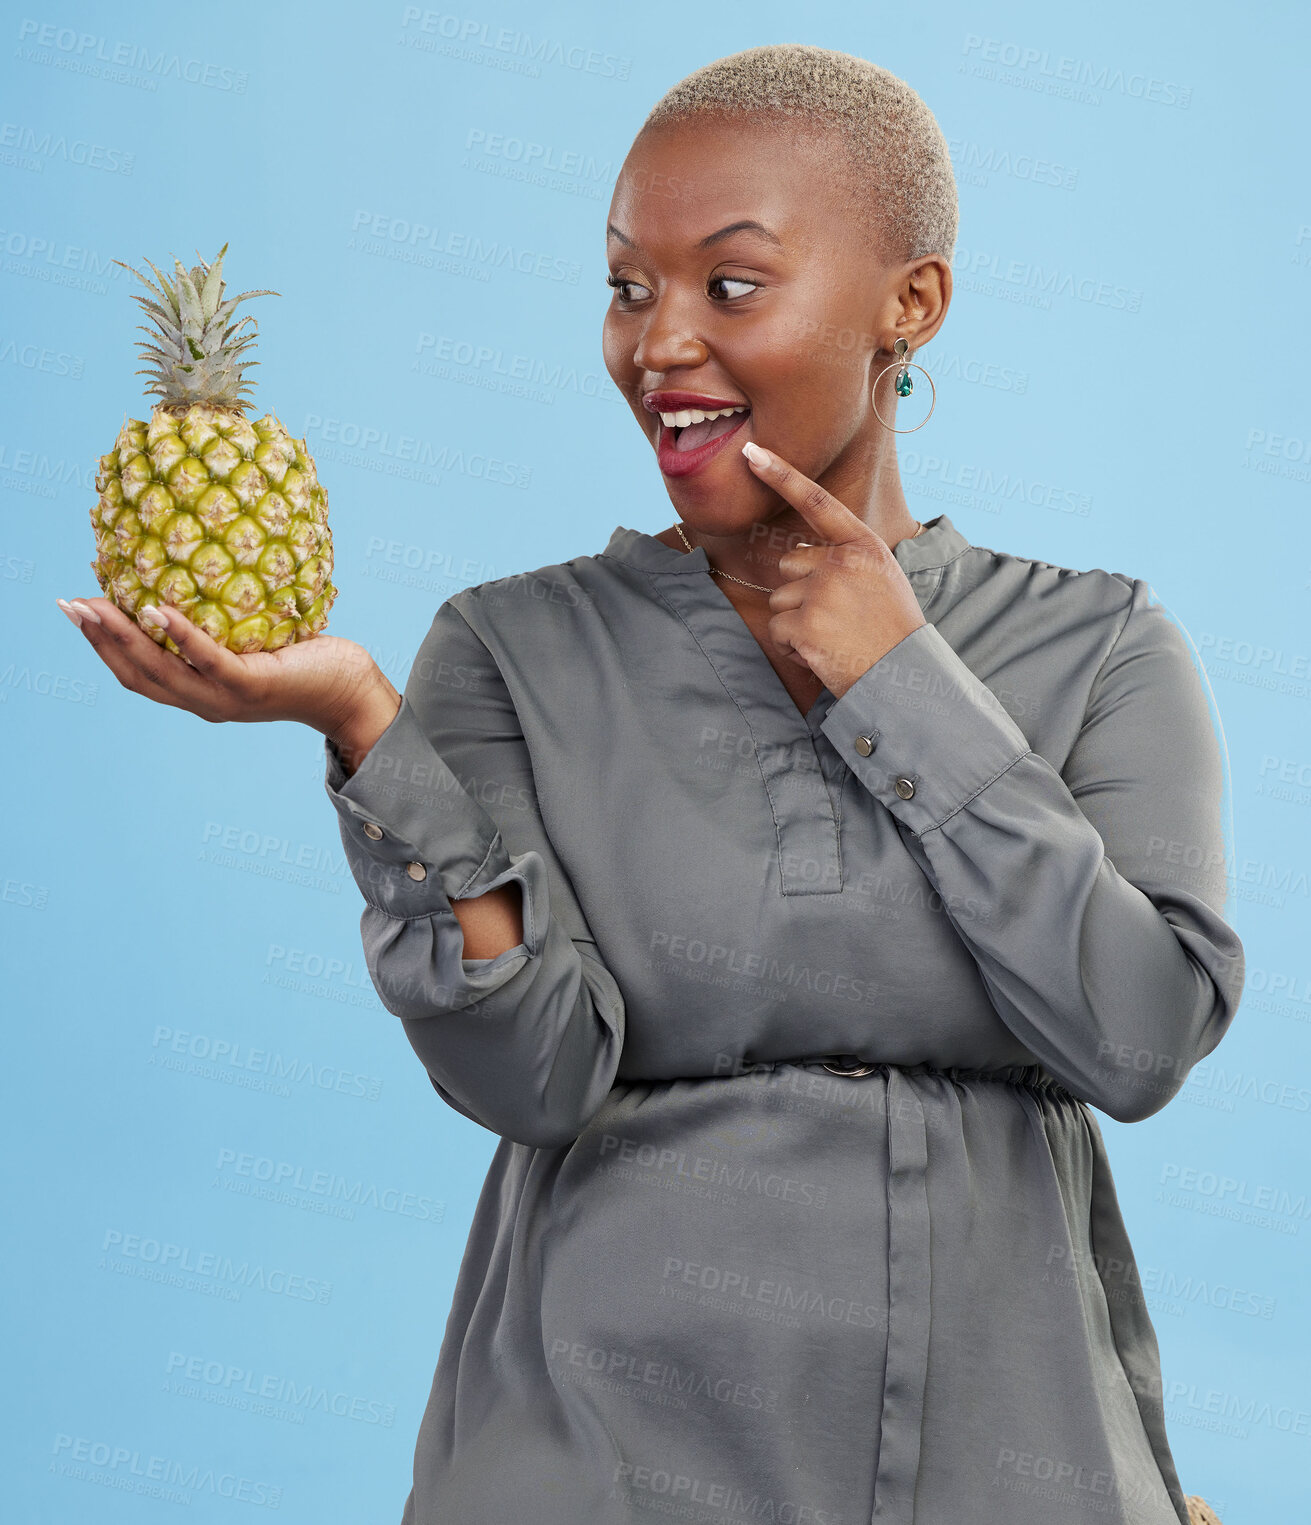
(784, 888)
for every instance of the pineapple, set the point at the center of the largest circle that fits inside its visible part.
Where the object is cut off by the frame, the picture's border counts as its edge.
(200, 508)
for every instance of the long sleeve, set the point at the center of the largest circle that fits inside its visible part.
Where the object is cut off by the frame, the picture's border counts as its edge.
(1105, 948)
(443, 807)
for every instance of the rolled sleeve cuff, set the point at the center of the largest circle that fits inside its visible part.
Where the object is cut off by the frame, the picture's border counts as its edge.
(936, 735)
(415, 839)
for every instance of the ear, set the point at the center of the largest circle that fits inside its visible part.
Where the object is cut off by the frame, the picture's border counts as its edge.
(925, 295)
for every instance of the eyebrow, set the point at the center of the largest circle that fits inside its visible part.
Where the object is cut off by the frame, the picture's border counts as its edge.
(745, 226)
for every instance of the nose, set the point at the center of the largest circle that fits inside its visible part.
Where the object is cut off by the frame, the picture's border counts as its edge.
(669, 339)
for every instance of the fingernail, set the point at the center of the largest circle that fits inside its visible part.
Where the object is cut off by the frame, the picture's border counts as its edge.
(756, 455)
(70, 612)
(86, 611)
(153, 616)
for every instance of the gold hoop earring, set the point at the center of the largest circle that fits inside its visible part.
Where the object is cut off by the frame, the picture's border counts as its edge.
(904, 386)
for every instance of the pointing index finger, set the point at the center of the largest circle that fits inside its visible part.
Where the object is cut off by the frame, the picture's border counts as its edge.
(832, 520)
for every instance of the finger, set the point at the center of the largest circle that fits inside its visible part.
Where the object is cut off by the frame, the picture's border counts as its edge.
(797, 565)
(832, 520)
(214, 662)
(104, 630)
(137, 662)
(781, 629)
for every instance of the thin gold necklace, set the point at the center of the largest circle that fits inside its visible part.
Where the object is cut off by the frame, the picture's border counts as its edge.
(742, 580)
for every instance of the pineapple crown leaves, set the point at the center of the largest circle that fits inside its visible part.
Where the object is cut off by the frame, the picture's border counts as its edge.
(197, 355)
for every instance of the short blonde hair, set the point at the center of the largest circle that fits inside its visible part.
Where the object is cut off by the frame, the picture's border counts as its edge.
(895, 162)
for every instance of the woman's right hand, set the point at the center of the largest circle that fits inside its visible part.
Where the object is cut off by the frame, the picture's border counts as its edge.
(330, 684)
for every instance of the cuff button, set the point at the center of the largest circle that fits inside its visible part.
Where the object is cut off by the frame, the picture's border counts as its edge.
(905, 787)
(416, 871)
(865, 744)
(372, 830)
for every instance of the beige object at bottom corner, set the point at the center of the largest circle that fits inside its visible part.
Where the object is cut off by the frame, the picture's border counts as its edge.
(1200, 1512)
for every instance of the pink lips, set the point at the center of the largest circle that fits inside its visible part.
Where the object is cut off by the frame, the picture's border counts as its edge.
(682, 463)
(669, 401)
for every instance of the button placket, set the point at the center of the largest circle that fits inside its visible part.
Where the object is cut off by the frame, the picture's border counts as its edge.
(799, 793)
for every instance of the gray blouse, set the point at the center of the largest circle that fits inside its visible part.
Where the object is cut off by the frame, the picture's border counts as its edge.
(799, 1210)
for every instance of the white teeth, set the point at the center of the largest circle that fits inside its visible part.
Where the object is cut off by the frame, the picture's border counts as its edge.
(695, 416)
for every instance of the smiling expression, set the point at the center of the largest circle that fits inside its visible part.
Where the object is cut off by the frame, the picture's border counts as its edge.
(737, 279)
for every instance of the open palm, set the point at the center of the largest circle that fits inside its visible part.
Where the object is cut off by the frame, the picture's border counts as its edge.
(323, 682)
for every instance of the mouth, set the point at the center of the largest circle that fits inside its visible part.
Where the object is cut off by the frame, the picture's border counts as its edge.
(681, 451)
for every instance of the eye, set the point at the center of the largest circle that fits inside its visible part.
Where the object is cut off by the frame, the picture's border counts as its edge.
(733, 280)
(617, 281)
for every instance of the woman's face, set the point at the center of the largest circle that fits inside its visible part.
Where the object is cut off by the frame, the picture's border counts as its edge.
(785, 318)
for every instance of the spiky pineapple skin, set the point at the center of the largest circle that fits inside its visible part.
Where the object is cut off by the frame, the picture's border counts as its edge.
(221, 517)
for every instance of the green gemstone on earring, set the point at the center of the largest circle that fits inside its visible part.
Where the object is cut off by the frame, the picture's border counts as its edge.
(904, 383)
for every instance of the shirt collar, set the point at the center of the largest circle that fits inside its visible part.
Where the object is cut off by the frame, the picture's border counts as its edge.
(937, 544)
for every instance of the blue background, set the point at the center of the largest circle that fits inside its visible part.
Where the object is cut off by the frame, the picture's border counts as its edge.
(184, 978)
